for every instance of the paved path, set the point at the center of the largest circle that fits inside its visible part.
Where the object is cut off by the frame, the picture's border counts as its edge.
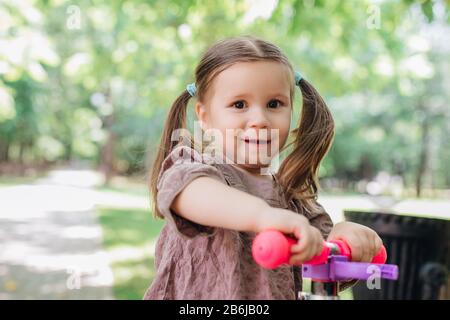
(51, 241)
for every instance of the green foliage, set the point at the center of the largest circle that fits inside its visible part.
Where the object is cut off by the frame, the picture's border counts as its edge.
(69, 88)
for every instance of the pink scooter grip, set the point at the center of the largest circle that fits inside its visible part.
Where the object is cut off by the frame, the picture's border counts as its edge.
(271, 248)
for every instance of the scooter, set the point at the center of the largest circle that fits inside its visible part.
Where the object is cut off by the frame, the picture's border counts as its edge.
(271, 248)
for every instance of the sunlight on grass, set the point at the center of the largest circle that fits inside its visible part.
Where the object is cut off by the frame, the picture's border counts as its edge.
(346, 294)
(8, 181)
(129, 236)
(343, 295)
(127, 185)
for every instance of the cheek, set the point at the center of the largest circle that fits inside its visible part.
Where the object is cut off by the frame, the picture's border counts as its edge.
(223, 119)
(283, 129)
(284, 134)
(228, 125)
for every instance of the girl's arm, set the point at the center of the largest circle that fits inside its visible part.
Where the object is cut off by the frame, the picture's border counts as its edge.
(210, 202)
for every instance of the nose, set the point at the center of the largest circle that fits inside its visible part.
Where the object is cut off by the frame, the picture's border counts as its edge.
(258, 118)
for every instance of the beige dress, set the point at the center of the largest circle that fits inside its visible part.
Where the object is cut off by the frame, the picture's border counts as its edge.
(199, 262)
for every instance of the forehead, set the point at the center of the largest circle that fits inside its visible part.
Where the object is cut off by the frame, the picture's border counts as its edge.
(269, 77)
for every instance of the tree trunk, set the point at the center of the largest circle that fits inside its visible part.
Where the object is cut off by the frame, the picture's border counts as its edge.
(107, 152)
(424, 152)
(365, 170)
(4, 150)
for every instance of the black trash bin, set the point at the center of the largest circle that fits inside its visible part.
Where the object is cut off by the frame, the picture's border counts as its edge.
(421, 249)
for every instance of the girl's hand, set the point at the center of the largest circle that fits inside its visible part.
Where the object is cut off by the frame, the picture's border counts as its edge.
(363, 241)
(310, 240)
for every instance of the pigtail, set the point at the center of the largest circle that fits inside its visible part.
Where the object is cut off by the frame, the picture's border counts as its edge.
(176, 119)
(312, 140)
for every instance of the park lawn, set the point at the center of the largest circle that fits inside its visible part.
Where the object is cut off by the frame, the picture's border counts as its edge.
(134, 187)
(11, 181)
(346, 294)
(343, 295)
(129, 236)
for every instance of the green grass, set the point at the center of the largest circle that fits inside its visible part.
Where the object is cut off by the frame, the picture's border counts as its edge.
(9, 181)
(136, 191)
(343, 295)
(126, 185)
(130, 229)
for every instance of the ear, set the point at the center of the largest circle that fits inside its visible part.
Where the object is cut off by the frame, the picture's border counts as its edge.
(202, 115)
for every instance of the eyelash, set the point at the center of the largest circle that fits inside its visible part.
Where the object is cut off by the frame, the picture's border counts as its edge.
(280, 103)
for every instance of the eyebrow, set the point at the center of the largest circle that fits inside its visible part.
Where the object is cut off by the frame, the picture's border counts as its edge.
(237, 96)
(281, 95)
(244, 95)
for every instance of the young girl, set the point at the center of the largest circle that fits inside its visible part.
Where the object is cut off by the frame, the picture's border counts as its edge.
(214, 209)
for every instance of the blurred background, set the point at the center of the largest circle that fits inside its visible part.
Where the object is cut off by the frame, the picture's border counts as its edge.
(85, 88)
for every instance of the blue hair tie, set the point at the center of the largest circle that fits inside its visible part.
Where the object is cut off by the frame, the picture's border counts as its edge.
(298, 77)
(191, 89)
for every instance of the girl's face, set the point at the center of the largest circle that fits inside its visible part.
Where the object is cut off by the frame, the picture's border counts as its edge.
(248, 105)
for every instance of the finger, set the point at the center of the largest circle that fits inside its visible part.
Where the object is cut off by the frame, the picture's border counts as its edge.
(299, 231)
(366, 245)
(378, 243)
(355, 246)
(306, 254)
(299, 258)
(295, 249)
(295, 260)
(310, 245)
(319, 244)
(374, 247)
(299, 234)
(309, 252)
(300, 250)
(317, 249)
(304, 241)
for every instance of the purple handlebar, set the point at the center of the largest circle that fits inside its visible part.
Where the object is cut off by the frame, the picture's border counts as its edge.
(339, 268)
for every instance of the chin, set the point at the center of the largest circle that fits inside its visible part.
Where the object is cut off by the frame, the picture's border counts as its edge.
(258, 164)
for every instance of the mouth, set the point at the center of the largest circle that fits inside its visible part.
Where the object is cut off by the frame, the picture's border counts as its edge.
(256, 141)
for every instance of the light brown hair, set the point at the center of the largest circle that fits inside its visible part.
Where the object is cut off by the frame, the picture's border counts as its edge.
(311, 140)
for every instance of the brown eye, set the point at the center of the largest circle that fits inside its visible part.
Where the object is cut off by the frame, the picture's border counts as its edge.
(273, 104)
(239, 104)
